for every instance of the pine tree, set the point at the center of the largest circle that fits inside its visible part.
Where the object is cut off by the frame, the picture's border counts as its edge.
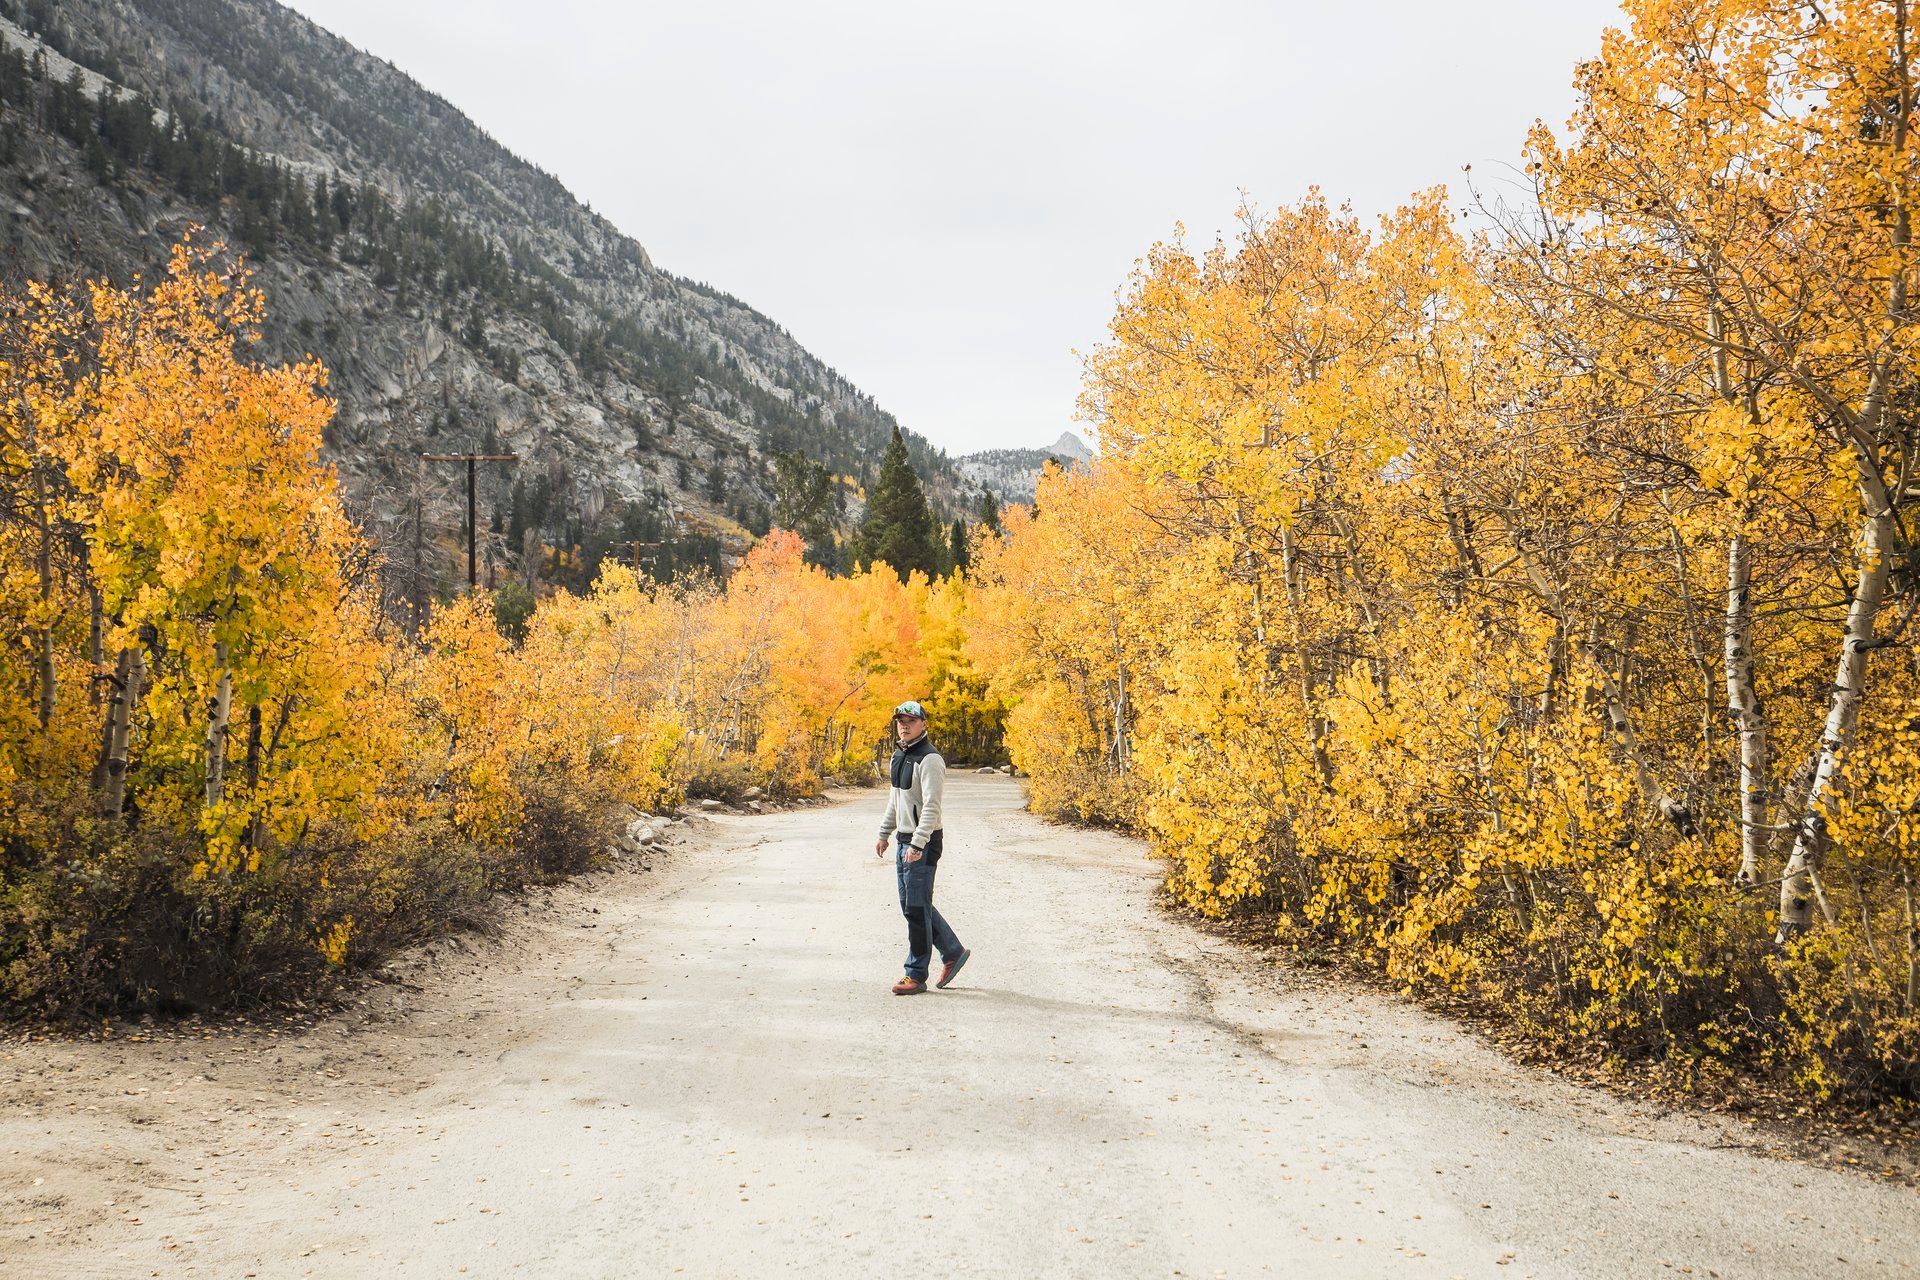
(804, 495)
(958, 558)
(989, 512)
(898, 528)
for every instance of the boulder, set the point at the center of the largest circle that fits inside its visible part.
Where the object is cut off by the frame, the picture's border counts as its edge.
(986, 768)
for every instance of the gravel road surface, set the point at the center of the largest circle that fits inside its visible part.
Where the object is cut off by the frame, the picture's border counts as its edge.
(699, 1070)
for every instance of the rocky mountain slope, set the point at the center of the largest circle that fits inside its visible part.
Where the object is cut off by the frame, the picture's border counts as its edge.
(1010, 473)
(461, 296)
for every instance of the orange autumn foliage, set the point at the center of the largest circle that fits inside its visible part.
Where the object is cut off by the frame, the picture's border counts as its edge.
(227, 773)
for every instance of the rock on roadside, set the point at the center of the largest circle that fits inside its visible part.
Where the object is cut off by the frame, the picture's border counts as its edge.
(642, 832)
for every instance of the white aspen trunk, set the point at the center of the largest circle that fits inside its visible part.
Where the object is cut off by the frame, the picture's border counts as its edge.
(1120, 752)
(1260, 623)
(96, 641)
(217, 716)
(44, 563)
(1296, 600)
(97, 777)
(1556, 659)
(827, 731)
(1457, 531)
(110, 725)
(453, 746)
(1743, 703)
(1843, 711)
(1743, 707)
(619, 659)
(129, 676)
(1913, 940)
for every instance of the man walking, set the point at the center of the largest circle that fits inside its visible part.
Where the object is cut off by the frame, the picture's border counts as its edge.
(918, 778)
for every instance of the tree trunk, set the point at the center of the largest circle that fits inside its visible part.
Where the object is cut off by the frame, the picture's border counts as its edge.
(96, 641)
(116, 684)
(619, 659)
(130, 672)
(217, 716)
(1556, 664)
(43, 562)
(1459, 529)
(1843, 711)
(1743, 708)
(1296, 601)
(1913, 941)
(254, 746)
(1121, 753)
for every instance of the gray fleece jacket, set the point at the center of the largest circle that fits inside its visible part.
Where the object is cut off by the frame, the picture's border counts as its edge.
(918, 776)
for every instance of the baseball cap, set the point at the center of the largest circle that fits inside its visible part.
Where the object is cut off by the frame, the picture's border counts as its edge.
(910, 708)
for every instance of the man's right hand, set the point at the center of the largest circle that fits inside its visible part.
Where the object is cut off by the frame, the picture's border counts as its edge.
(880, 847)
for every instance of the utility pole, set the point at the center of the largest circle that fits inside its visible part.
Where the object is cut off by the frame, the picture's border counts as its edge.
(673, 526)
(473, 574)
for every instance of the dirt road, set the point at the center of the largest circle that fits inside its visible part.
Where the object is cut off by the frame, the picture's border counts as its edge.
(700, 1071)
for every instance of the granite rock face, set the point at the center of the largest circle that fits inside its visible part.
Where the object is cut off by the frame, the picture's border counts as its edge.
(465, 300)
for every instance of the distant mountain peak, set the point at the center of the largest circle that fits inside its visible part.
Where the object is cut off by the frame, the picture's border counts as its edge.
(1071, 445)
(1011, 473)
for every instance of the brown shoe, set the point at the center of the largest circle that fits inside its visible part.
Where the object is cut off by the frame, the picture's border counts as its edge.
(952, 967)
(909, 987)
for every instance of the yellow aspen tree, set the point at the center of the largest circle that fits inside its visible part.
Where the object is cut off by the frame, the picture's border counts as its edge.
(1756, 159)
(215, 533)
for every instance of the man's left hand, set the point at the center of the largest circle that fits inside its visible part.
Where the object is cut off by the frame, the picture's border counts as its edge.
(914, 855)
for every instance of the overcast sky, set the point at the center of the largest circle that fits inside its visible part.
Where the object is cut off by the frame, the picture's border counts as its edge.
(941, 200)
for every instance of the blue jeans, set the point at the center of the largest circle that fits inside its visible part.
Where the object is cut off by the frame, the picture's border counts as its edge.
(926, 927)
